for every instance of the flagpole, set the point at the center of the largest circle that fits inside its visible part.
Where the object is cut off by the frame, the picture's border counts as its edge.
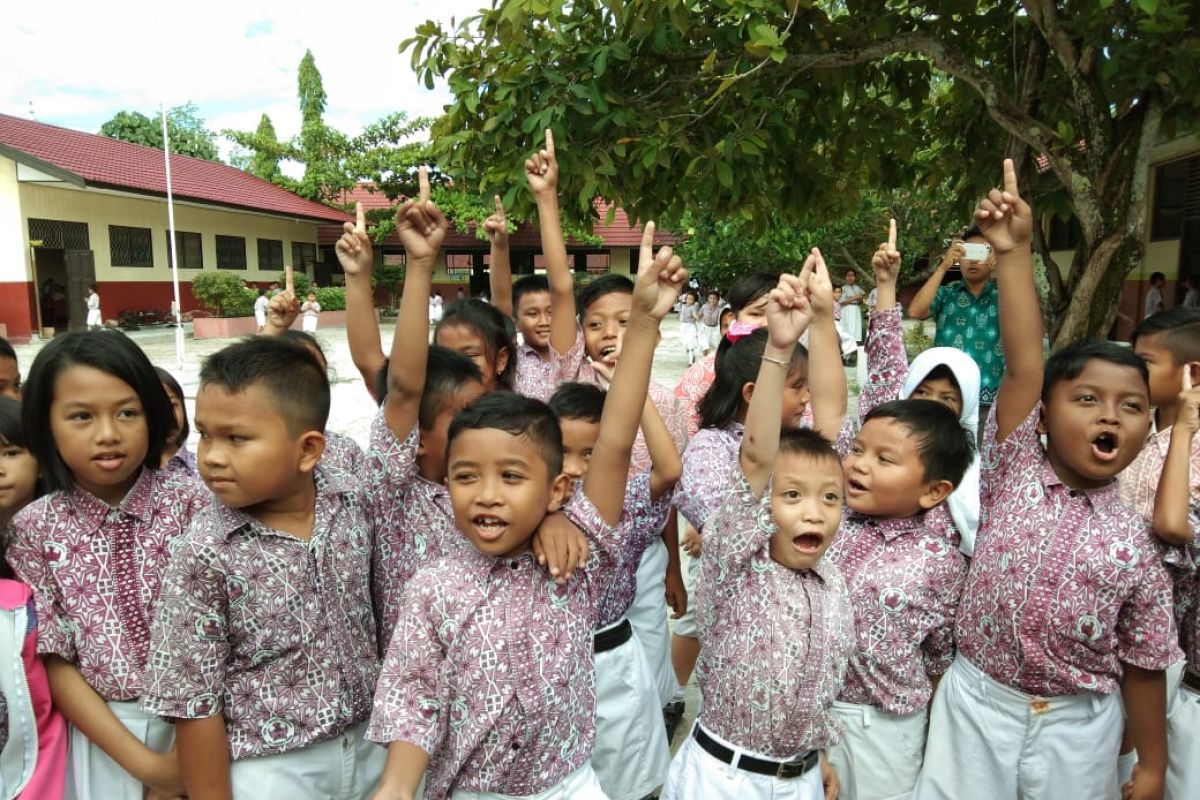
(171, 241)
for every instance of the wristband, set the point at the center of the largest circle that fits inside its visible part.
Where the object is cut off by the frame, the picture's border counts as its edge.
(778, 361)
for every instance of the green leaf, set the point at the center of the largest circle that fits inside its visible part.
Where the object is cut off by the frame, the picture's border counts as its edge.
(600, 64)
(1149, 6)
(725, 174)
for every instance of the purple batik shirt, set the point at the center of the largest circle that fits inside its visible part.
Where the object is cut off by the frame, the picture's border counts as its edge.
(273, 631)
(96, 572)
(642, 522)
(773, 641)
(709, 465)
(905, 578)
(535, 375)
(412, 517)
(491, 671)
(343, 454)
(1066, 584)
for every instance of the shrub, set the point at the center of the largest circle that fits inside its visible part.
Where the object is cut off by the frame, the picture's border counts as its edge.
(223, 293)
(301, 279)
(332, 298)
(916, 341)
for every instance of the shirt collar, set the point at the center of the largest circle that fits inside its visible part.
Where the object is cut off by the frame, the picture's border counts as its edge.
(988, 290)
(331, 486)
(1101, 497)
(891, 528)
(137, 503)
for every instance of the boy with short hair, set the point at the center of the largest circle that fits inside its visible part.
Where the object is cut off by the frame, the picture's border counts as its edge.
(488, 682)
(1067, 599)
(263, 649)
(632, 752)
(10, 371)
(774, 616)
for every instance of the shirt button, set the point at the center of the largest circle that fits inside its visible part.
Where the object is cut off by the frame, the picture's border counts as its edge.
(513, 564)
(516, 746)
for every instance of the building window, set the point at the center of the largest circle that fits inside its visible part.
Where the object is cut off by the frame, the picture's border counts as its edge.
(1172, 185)
(270, 254)
(304, 255)
(57, 233)
(129, 247)
(191, 254)
(597, 263)
(539, 262)
(1065, 234)
(231, 252)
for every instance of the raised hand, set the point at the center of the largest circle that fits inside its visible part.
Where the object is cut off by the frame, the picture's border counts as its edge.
(421, 225)
(282, 309)
(955, 254)
(820, 287)
(1004, 219)
(788, 309)
(495, 227)
(886, 261)
(660, 277)
(1189, 402)
(541, 170)
(353, 249)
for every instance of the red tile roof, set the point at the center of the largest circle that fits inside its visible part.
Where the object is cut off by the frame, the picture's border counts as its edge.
(619, 234)
(102, 162)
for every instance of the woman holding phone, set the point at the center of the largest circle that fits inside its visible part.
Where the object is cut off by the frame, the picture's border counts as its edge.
(966, 311)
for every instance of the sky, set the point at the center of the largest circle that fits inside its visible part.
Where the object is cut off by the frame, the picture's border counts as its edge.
(77, 64)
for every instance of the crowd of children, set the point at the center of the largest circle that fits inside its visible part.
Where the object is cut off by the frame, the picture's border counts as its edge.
(477, 605)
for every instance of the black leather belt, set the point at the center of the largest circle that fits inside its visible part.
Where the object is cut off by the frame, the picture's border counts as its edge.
(612, 638)
(1191, 680)
(760, 766)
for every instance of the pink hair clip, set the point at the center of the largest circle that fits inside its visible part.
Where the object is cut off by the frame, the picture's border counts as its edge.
(738, 330)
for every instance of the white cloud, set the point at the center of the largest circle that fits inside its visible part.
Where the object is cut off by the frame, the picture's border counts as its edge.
(234, 58)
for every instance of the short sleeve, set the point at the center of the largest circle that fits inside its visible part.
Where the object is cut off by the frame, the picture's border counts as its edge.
(605, 541)
(939, 301)
(189, 637)
(999, 461)
(30, 561)
(646, 515)
(706, 476)
(741, 527)
(1146, 632)
(410, 702)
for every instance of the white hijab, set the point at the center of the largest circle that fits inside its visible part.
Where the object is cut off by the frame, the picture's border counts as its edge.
(964, 501)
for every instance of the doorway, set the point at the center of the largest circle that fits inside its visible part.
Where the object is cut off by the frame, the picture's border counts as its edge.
(62, 278)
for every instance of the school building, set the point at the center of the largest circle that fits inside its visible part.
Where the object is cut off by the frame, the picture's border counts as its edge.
(1172, 230)
(77, 209)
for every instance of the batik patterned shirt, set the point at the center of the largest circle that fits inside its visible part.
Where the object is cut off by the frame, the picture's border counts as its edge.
(887, 361)
(773, 641)
(96, 572)
(274, 631)
(905, 578)
(534, 374)
(1066, 584)
(491, 670)
(642, 522)
(972, 324)
(692, 387)
(412, 517)
(183, 463)
(343, 454)
(709, 464)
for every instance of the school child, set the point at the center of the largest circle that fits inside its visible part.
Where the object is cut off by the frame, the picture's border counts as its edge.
(33, 734)
(95, 319)
(1169, 342)
(711, 456)
(260, 310)
(489, 678)
(774, 617)
(176, 455)
(945, 374)
(263, 647)
(632, 753)
(593, 346)
(10, 371)
(1067, 600)
(1176, 513)
(310, 312)
(94, 551)
(689, 319)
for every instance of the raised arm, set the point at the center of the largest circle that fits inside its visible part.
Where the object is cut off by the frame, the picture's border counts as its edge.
(1006, 221)
(421, 227)
(658, 282)
(1172, 502)
(666, 465)
(788, 315)
(355, 254)
(887, 362)
(495, 228)
(826, 373)
(283, 309)
(542, 172)
(919, 307)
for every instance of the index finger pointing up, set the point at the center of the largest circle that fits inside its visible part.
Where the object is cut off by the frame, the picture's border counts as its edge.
(499, 206)
(892, 233)
(549, 141)
(360, 222)
(647, 254)
(289, 282)
(1010, 177)
(423, 183)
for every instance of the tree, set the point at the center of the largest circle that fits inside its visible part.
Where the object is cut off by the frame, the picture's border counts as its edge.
(188, 135)
(750, 108)
(265, 162)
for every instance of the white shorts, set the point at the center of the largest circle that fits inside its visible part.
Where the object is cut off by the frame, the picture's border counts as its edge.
(308, 324)
(879, 756)
(648, 615)
(92, 775)
(989, 740)
(686, 624)
(632, 755)
(1183, 743)
(346, 767)
(696, 775)
(579, 785)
